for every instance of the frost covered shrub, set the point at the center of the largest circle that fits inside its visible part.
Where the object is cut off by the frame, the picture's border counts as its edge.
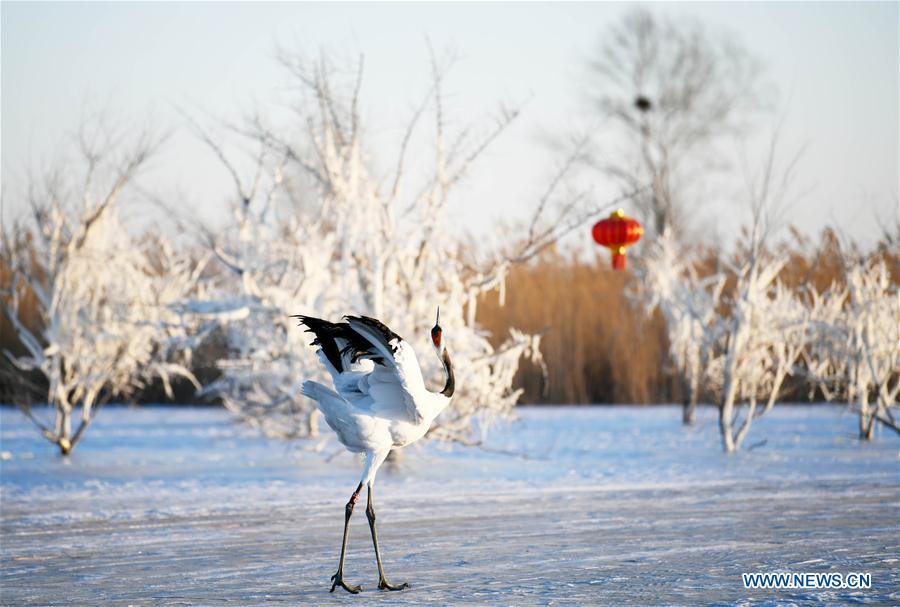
(107, 309)
(854, 349)
(315, 232)
(668, 280)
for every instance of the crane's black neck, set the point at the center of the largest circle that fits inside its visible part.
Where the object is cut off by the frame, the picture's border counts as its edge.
(450, 386)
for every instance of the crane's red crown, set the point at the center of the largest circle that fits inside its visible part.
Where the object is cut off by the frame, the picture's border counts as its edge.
(436, 334)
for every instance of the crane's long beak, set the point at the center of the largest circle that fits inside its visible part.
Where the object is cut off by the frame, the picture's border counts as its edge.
(437, 320)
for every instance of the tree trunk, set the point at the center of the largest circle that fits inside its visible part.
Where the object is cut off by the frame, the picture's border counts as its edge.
(692, 387)
(58, 422)
(870, 429)
(689, 413)
(64, 423)
(65, 446)
(726, 408)
(312, 424)
(866, 418)
(741, 434)
(726, 420)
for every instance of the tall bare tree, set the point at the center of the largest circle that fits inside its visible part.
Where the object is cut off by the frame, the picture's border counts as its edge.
(670, 91)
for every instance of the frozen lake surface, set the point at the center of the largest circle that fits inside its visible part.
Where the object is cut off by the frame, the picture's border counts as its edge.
(615, 506)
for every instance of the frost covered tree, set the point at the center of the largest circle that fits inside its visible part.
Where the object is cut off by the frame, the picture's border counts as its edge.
(740, 345)
(741, 342)
(319, 229)
(855, 343)
(873, 320)
(763, 337)
(688, 303)
(106, 326)
(764, 333)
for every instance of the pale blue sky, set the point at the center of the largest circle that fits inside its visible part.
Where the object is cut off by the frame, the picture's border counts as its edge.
(836, 65)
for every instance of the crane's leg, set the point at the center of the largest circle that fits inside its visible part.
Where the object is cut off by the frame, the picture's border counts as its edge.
(383, 584)
(338, 578)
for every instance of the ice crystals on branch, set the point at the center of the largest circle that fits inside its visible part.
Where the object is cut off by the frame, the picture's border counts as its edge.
(107, 302)
(316, 232)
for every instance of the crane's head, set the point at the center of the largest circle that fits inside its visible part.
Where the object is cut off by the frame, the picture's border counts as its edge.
(437, 334)
(437, 338)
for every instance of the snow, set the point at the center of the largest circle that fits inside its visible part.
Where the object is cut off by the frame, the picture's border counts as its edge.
(604, 505)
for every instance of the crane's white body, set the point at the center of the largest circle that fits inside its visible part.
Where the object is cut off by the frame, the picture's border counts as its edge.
(379, 401)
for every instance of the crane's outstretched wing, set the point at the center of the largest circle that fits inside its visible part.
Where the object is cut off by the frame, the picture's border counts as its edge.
(397, 380)
(352, 428)
(372, 367)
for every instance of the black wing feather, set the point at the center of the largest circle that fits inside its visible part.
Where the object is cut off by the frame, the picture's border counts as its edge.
(327, 333)
(380, 329)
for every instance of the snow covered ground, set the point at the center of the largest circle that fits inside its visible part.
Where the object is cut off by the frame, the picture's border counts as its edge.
(612, 506)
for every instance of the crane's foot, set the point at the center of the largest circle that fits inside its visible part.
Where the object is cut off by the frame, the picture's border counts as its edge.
(383, 584)
(338, 580)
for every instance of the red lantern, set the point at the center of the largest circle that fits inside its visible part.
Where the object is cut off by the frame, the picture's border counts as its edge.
(617, 232)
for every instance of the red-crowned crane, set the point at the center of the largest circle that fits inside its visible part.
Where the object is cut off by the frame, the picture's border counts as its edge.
(379, 402)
